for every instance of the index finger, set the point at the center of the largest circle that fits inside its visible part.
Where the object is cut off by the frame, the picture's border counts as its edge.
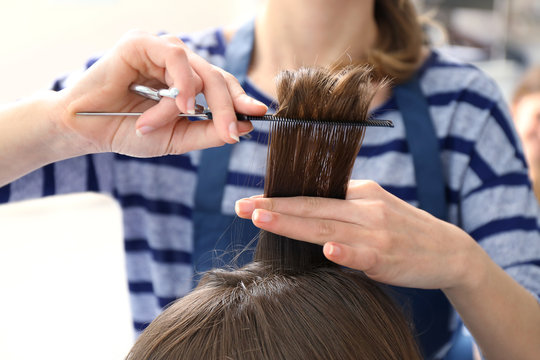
(301, 206)
(226, 97)
(154, 57)
(218, 97)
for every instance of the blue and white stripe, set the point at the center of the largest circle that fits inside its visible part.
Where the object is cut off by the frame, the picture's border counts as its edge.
(488, 191)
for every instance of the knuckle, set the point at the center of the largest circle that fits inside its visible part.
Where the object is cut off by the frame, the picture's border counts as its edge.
(215, 73)
(172, 39)
(175, 51)
(311, 205)
(269, 204)
(226, 75)
(372, 186)
(232, 81)
(325, 229)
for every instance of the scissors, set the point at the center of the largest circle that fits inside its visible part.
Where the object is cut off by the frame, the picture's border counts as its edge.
(204, 113)
(149, 93)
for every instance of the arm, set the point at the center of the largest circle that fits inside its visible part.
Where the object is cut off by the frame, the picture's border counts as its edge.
(398, 244)
(44, 128)
(503, 317)
(28, 137)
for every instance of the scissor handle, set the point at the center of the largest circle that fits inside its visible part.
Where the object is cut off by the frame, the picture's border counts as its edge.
(154, 94)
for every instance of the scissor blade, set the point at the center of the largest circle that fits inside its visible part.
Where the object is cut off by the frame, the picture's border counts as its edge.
(129, 114)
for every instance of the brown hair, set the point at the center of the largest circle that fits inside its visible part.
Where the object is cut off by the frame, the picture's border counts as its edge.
(398, 50)
(313, 158)
(254, 313)
(291, 303)
(530, 83)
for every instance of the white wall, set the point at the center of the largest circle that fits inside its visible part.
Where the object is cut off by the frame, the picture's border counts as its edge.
(42, 39)
(62, 278)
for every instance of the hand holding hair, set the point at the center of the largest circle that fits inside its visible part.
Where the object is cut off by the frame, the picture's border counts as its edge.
(373, 231)
(363, 226)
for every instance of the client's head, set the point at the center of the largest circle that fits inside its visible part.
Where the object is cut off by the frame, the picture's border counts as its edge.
(256, 313)
(290, 302)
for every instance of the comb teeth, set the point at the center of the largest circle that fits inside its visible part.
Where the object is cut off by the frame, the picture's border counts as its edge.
(369, 122)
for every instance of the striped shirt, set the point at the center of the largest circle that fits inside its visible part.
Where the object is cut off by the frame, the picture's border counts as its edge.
(487, 187)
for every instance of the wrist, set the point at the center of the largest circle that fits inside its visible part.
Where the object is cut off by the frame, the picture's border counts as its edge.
(60, 140)
(31, 135)
(40, 128)
(471, 266)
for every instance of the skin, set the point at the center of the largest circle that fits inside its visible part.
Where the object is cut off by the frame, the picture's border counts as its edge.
(283, 27)
(371, 230)
(48, 130)
(526, 113)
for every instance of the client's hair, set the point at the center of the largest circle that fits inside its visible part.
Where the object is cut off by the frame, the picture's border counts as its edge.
(292, 303)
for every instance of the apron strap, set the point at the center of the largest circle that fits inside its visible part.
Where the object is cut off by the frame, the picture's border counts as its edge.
(239, 51)
(424, 147)
(430, 184)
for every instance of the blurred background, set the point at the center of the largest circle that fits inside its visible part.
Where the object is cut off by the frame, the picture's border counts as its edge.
(62, 275)
(502, 37)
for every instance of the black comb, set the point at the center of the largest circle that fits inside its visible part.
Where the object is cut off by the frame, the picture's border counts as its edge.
(369, 122)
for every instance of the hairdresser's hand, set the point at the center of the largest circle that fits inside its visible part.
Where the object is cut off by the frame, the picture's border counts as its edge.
(158, 62)
(376, 232)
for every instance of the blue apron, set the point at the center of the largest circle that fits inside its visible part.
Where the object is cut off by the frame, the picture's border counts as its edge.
(216, 234)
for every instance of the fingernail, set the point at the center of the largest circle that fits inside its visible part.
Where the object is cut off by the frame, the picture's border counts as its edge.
(333, 250)
(245, 132)
(143, 130)
(190, 106)
(262, 216)
(244, 206)
(233, 132)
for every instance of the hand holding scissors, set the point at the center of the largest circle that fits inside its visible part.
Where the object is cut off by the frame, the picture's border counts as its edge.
(159, 62)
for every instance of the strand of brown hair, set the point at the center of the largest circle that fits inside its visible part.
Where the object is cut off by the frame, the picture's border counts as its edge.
(315, 155)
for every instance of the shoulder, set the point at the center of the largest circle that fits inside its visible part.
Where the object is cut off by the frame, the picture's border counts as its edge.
(448, 78)
(472, 120)
(463, 100)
